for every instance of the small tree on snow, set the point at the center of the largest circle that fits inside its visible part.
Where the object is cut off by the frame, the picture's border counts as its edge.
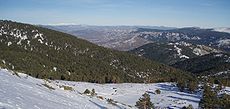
(144, 102)
(86, 91)
(93, 93)
(158, 91)
(189, 107)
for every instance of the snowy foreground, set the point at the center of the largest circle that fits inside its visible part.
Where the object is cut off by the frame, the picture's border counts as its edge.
(25, 92)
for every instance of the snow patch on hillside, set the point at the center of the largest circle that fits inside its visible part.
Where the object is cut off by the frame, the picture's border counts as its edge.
(179, 52)
(224, 42)
(200, 50)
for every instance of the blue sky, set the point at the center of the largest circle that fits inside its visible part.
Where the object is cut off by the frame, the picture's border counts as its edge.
(175, 13)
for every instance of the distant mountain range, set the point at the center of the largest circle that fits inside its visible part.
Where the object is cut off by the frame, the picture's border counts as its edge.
(208, 37)
(45, 53)
(115, 37)
(172, 46)
(125, 38)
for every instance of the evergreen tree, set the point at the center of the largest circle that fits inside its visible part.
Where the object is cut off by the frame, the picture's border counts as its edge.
(188, 107)
(181, 84)
(192, 86)
(209, 99)
(144, 102)
(93, 93)
(158, 91)
(87, 91)
(62, 77)
(225, 101)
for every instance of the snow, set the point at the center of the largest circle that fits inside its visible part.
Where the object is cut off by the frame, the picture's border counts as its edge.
(179, 52)
(228, 60)
(55, 69)
(198, 52)
(3, 61)
(224, 42)
(184, 56)
(132, 40)
(9, 43)
(201, 50)
(28, 42)
(219, 55)
(39, 40)
(220, 73)
(195, 38)
(25, 92)
(22, 35)
(36, 35)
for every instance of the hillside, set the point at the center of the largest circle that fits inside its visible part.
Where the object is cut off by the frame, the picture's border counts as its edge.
(45, 53)
(26, 92)
(170, 53)
(214, 65)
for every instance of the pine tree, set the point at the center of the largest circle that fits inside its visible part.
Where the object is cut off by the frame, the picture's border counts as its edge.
(144, 102)
(158, 91)
(188, 107)
(192, 86)
(62, 77)
(181, 85)
(93, 92)
(86, 91)
(225, 101)
(209, 99)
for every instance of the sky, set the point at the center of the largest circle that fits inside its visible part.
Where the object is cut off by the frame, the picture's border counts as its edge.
(173, 13)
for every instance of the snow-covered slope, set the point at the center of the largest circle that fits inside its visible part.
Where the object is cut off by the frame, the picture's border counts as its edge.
(25, 92)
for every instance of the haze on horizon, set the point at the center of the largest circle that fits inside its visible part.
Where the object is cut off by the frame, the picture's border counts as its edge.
(173, 13)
